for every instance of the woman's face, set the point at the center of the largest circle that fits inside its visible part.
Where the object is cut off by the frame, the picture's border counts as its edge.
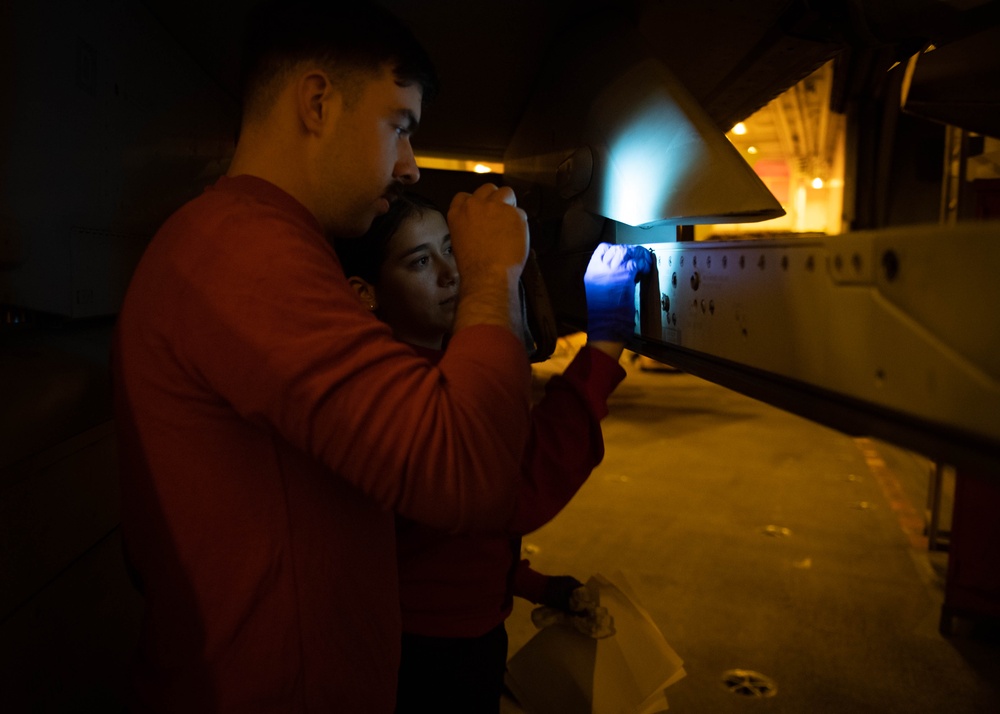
(417, 291)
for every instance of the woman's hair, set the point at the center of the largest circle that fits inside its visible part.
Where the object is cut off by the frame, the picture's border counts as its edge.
(346, 38)
(363, 256)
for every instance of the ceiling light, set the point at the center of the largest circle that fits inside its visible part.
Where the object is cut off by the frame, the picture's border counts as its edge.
(751, 149)
(458, 163)
(817, 182)
(740, 129)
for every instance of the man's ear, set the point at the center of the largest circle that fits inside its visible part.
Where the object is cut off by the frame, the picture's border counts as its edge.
(365, 292)
(317, 101)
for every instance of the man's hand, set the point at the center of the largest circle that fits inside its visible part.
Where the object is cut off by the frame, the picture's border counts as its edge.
(488, 230)
(489, 234)
(610, 283)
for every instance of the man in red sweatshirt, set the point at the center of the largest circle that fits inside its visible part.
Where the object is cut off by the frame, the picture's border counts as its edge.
(270, 427)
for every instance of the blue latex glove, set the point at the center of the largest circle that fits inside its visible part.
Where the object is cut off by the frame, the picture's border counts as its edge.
(610, 284)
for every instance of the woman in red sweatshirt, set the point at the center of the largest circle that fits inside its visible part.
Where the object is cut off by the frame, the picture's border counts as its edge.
(457, 590)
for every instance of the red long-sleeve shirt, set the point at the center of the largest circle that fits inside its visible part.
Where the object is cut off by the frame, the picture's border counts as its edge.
(269, 428)
(461, 585)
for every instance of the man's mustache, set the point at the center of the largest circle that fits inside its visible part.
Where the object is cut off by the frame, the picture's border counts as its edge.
(395, 191)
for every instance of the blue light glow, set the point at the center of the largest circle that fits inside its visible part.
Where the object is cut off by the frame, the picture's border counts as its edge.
(663, 160)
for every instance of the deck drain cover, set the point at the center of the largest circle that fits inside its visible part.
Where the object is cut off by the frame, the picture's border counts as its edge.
(749, 684)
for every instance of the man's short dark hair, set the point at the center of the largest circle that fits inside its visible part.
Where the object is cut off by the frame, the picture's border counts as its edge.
(347, 38)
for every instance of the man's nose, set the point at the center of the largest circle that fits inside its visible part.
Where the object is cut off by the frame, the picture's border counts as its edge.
(406, 171)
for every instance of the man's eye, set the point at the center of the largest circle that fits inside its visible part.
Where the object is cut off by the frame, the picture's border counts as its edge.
(420, 262)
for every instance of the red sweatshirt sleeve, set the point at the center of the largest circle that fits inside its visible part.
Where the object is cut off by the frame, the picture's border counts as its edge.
(566, 442)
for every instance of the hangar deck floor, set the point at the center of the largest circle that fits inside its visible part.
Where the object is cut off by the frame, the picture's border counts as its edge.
(840, 610)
